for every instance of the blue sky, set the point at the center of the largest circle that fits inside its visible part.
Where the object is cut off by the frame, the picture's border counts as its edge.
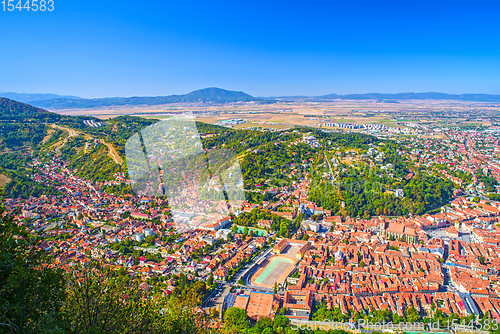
(265, 48)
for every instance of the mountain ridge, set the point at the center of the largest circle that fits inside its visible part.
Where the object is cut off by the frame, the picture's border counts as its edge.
(418, 96)
(28, 98)
(219, 95)
(399, 96)
(210, 94)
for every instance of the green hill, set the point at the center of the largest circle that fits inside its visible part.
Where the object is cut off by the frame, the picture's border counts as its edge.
(11, 110)
(27, 132)
(268, 159)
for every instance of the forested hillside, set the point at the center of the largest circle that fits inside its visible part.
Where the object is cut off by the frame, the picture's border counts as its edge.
(27, 132)
(362, 188)
(366, 171)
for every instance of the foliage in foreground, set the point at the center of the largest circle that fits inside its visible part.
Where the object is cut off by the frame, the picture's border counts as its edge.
(35, 297)
(101, 300)
(31, 291)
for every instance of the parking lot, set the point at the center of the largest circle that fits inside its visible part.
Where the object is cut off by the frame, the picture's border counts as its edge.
(442, 234)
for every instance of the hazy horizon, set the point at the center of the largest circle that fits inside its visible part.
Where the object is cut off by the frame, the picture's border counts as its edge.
(257, 96)
(97, 49)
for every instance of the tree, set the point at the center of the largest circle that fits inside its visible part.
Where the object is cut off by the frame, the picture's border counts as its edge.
(495, 197)
(31, 290)
(99, 301)
(180, 315)
(210, 280)
(275, 289)
(214, 313)
(412, 314)
(235, 319)
(280, 322)
(263, 323)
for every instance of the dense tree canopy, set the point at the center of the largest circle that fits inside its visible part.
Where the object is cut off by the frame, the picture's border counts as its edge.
(31, 290)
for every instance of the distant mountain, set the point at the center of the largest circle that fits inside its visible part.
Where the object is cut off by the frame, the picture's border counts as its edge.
(414, 96)
(216, 95)
(392, 98)
(27, 98)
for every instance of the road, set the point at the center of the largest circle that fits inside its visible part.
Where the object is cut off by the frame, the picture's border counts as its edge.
(114, 155)
(213, 292)
(251, 267)
(241, 274)
(71, 132)
(329, 167)
(111, 150)
(221, 299)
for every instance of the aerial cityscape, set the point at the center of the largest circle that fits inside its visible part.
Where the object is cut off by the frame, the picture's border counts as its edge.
(346, 213)
(265, 167)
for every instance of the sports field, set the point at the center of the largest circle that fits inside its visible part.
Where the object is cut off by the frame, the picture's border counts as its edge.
(276, 270)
